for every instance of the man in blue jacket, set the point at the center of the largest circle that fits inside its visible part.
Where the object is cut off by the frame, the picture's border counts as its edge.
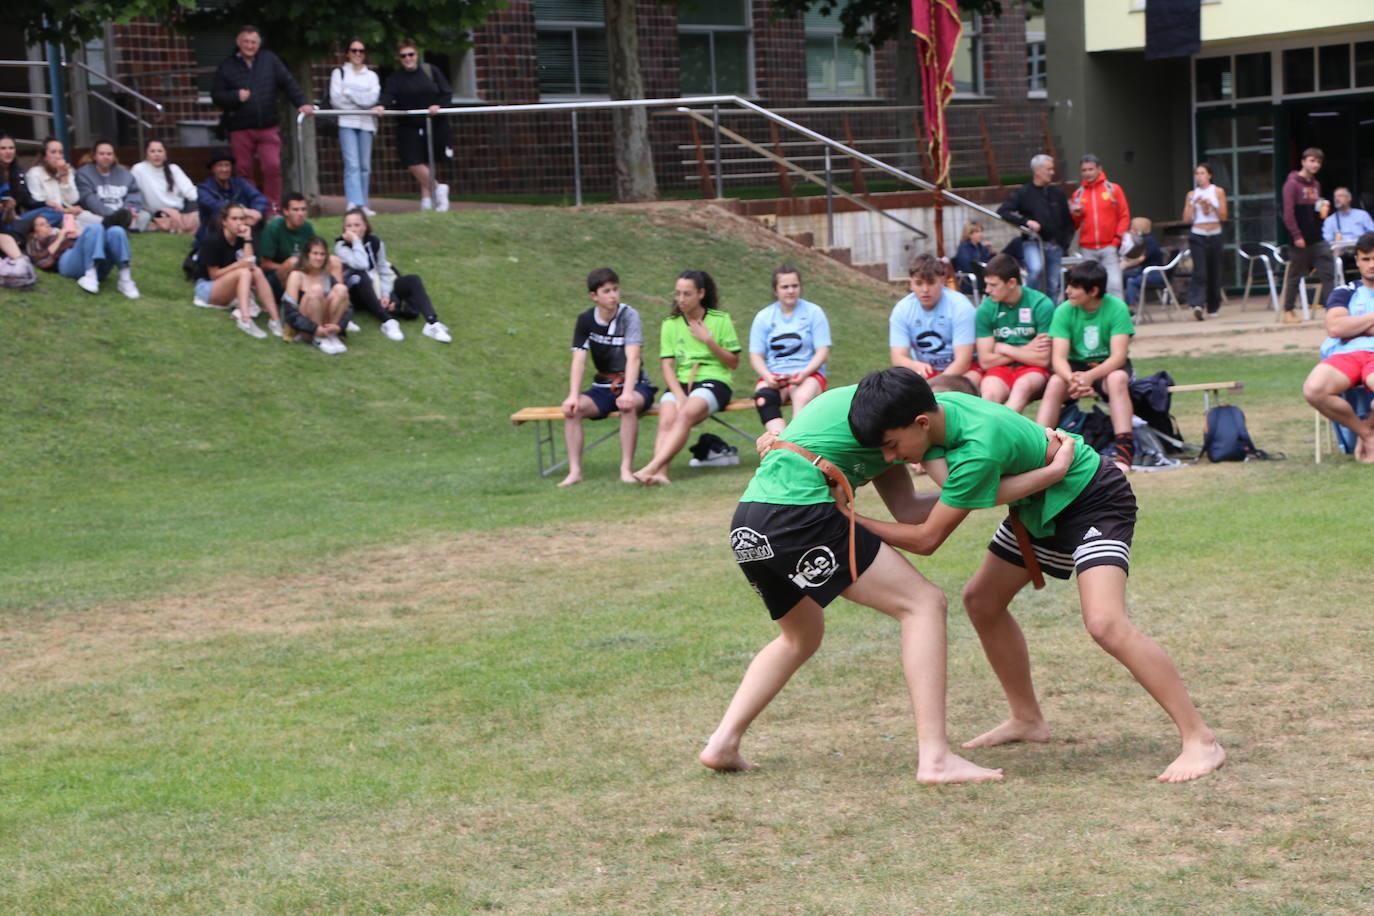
(224, 187)
(245, 88)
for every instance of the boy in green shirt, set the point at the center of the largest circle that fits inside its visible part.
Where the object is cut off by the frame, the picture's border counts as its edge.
(798, 551)
(283, 241)
(1090, 338)
(1013, 336)
(1082, 524)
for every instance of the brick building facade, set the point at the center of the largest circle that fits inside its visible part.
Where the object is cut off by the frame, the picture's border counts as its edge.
(512, 60)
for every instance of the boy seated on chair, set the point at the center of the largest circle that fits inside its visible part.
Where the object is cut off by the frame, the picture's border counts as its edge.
(612, 333)
(1090, 338)
(1348, 353)
(1145, 252)
(1013, 328)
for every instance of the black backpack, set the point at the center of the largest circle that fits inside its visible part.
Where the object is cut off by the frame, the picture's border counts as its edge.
(1225, 437)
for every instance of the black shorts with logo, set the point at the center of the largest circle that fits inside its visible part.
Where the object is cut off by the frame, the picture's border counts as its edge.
(1100, 386)
(1093, 530)
(793, 552)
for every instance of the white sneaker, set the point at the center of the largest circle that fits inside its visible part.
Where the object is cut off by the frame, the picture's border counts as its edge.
(274, 326)
(201, 303)
(254, 310)
(392, 329)
(426, 203)
(441, 198)
(369, 211)
(338, 345)
(250, 329)
(330, 346)
(89, 283)
(129, 288)
(439, 331)
(353, 327)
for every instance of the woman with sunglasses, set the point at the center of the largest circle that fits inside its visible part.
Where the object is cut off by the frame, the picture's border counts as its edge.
(420, 85)
(355, 87)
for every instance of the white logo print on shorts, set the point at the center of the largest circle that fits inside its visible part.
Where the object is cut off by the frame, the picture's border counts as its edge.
(749, 545)
(815, 568)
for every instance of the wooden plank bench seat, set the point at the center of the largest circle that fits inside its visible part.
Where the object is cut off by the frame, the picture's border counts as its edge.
(546, 443)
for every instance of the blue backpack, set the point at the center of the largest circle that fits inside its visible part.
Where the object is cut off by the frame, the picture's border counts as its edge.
(1225, 437)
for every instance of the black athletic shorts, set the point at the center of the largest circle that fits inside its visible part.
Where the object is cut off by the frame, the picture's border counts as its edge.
(1093, 530)
(412, 147)
(793, 552)
(604, 399)
(1100, 386)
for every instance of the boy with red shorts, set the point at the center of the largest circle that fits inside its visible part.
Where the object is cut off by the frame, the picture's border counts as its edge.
(1348, 354)
(1013, 336)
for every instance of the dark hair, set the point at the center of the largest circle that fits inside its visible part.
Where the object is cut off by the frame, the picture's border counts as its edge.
(248, 27)
(217, 218)
(290, 197)
(314, 242)
(407, 43)
(1365, 244)
(1315, 153)
(1003, 267)
(362, 215)
(1089, 157)
(90, 157)
(926, 266)
(955, 383)
(704, 283)
(166, 167)
(889, 399)
(600, 277)
(43, 151)
(1208, 167)
(1089, 276)
(783, 270)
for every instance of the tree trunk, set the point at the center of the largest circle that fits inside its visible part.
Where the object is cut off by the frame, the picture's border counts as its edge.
(634, 157)
(908, 94)
(291, 171)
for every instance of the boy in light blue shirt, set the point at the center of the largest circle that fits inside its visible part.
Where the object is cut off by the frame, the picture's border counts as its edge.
(789, 344)
(932, 330)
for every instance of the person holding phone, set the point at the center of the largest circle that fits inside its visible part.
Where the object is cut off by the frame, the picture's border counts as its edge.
(1206, 209)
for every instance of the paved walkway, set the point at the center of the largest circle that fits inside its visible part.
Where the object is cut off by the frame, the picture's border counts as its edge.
(1231, 330)
(334, 206)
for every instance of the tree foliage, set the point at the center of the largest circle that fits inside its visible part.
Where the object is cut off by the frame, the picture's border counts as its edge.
(74, 22)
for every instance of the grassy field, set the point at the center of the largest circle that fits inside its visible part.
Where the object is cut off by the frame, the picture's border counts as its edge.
(280, 632)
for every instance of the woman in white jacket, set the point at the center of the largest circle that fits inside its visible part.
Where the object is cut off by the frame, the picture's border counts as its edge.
(354, 87)
(167, 193)
(52, 180)
(374, 287)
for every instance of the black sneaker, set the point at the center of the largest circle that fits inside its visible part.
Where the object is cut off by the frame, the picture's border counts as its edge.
(1197, 312)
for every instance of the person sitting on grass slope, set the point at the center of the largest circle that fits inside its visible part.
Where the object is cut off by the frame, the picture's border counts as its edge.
(374, 287)
(699, 351)
(1084, 523)
(789, 343)
(315, 304)
(612, 333)
(800, 552)
(1090, 339)
(1013, 328)
(229, 275)
(1348, 354)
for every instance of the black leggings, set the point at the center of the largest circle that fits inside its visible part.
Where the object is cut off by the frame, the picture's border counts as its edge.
(1205, 284)
(408, 296)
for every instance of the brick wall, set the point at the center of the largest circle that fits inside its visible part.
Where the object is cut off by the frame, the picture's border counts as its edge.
(533, 153)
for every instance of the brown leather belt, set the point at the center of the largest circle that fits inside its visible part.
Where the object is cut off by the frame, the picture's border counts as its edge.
(834, 477)
(1023, 541)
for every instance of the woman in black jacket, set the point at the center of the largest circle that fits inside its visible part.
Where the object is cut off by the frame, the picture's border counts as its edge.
(418, 85)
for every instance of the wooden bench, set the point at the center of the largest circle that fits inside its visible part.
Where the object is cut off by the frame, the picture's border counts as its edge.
(1209, 390)
(546, 444)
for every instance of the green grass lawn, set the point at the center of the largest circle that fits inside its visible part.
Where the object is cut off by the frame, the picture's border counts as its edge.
(282, 632)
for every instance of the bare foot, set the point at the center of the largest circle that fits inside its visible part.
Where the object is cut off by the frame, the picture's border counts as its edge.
(1197, 760)
(627, 476)
(1364, 449)
(952, 768)
(723, 757)
(1010, 732)
(641, 476)
(653, 480)
(572, 478)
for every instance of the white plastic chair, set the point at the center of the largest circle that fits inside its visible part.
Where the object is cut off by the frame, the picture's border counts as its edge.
(1258, 253)
(1167, 297)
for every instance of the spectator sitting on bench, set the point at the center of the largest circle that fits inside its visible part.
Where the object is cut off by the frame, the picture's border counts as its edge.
(1348, 354)
(1145, 253)
(284, 240)
(1013, 328)
(789, 343)
(931, 330)
(315, 304)
(699, 351)
(614, 336)
(1090, 338)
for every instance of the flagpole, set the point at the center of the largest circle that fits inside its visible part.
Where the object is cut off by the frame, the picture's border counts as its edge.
(936, 156)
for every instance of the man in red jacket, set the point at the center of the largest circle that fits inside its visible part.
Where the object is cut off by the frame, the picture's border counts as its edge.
(1102, 215)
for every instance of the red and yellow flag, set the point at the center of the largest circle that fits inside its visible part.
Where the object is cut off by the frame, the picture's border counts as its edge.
(937, 27)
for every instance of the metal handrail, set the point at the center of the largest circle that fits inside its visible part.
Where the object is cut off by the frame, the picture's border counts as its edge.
(26, 112)
(713, 100)
(116, 83)
(118, 107)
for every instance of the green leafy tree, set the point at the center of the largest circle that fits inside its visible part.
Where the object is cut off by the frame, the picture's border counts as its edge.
(73, 22)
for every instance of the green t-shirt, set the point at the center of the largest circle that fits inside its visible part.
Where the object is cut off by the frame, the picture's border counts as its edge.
(787, 479)
(1017, 324)
(280, 242)
(985, 442)
(676, 342)
(1090, 334)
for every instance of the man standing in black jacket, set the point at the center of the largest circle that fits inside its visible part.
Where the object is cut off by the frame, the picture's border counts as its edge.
(1040, 205)
(246, 87)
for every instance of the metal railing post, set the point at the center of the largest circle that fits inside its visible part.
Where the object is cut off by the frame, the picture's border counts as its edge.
(429, 142)
(829, 203)
(300, 150)
(58, 91)
(715, 130)
(577, 164)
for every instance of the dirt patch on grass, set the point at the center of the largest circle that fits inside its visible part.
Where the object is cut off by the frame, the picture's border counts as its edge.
(376, 587)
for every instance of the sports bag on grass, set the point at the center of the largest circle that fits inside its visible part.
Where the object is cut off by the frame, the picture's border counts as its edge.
(17, 273)
(1225, 437)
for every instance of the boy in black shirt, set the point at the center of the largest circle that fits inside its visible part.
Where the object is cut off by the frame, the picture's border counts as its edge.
(612, 333)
